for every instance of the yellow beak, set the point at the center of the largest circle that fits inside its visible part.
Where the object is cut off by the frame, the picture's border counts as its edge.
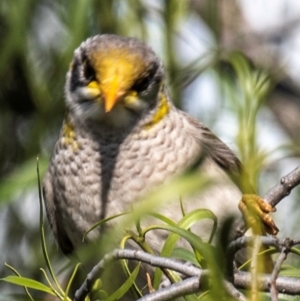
(111, 92)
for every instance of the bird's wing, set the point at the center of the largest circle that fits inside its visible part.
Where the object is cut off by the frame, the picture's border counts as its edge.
(53, 216)
(222, 155)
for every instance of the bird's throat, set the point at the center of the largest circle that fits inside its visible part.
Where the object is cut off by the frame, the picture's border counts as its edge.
(162, 110)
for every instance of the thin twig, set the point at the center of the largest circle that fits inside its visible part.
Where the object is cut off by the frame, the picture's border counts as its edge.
(286, 285)
(283, 189)
(144, 257)
(233, 292)
(178, 289)
(267, 241)
(96, 272)
(296, 241)
(284, 251)
(246, 241)
(189, 286)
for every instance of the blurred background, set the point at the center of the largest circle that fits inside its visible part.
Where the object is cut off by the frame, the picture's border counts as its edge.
(234, 65)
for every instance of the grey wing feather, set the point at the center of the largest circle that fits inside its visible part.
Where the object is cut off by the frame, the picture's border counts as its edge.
(53, 218)
(222, 155)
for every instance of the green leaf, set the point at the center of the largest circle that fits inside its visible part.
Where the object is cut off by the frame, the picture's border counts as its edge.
(105, 220)
(185, 223)
(29, 283)
(71, 281)
(295, 251)
(163, 218)
(19, 275)
(284, 297)
(205, 249)
(291, 271)
(126, 285)
(186, 255)
(42, 234)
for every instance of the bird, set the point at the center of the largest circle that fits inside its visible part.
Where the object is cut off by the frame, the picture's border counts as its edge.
(122, 137)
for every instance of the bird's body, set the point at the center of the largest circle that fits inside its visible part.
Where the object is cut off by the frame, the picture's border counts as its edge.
(102, 172)
(122, 137)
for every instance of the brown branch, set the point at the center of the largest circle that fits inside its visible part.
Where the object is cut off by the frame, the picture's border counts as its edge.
(288, 285)
(283, 189)
(245, 241)
(283, 254)
(189, 286)
(175, 265)
(178, 289)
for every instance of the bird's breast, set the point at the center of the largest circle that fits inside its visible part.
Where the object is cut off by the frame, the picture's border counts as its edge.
(106, 173)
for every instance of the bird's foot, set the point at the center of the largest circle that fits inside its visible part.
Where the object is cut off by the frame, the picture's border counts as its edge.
(256, 211)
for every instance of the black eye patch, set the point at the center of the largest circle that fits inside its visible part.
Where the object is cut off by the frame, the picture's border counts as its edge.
(82, 72)
(75, 79)
(88, 71)
(143, 83)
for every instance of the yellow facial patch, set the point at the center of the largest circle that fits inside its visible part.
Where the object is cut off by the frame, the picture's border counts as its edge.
(93, 85)
(162, 110)
(69, 136)
(93, 89)
(131, 99)
(117, 70)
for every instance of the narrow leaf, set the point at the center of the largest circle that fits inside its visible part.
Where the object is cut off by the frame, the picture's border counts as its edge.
(102, 222)
(29, 283)
(126, 285)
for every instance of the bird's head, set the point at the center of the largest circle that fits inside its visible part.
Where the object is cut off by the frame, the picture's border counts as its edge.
(114, 79)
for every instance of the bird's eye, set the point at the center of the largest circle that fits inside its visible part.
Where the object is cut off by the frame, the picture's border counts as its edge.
(143, 83)
(88, 71)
